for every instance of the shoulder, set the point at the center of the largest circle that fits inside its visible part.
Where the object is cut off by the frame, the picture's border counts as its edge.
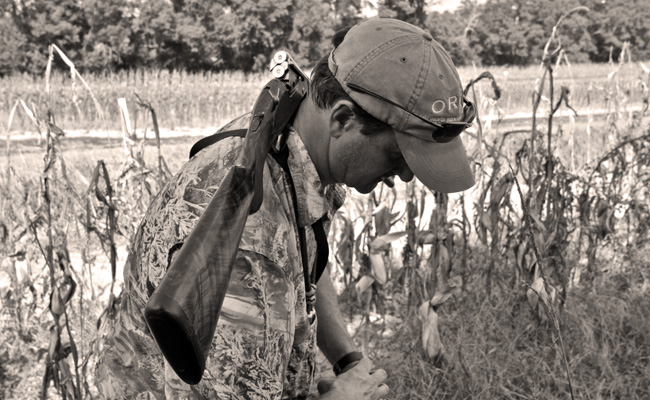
(200, 176)
(240, 122)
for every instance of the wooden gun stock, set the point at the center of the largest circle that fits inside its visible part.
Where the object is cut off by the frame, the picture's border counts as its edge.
(183, 311)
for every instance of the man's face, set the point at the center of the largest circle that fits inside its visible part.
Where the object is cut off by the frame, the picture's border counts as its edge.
(362, 161)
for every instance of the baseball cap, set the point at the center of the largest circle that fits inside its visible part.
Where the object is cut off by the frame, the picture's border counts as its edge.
(400, 75)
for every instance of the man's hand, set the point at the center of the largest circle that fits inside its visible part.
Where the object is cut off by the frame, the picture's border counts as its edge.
(357, 383)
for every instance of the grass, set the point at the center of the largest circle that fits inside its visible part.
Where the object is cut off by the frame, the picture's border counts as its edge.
(495, 349)
(81, 154)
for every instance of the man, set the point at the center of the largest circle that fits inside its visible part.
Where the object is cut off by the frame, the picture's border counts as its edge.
(387, 101)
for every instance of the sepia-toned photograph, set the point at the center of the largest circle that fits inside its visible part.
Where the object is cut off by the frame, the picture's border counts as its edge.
(325, 199)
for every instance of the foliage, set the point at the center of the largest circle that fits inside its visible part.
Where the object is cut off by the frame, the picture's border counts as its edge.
(43, 219)
(111, 39)
(346, 12)
(14, 44)
(62, 23)
(615, 23)
(512, 32)
(252, 30)
(411, 11)
(451, 29)
(313, 24)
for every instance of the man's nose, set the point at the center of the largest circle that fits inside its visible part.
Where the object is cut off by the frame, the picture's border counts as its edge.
(404, 173)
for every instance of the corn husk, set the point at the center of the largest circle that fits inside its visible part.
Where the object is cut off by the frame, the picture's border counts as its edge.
(382, 243)
(364, 283)
(378, 267)
(378, 247)
(5, 284)
(452, 288)
(537, 292)
(431, 343)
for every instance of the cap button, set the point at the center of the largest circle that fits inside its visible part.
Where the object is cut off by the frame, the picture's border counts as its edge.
(427, 36)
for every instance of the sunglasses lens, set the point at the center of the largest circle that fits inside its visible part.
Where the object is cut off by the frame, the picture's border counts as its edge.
(448, 133)
(470, 113)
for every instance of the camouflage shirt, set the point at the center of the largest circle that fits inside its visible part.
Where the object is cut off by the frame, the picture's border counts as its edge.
(264, 346)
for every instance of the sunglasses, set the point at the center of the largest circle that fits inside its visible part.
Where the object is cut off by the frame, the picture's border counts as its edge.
(448, 131)
(442, 132)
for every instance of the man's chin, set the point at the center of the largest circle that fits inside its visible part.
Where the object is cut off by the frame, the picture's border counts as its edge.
(366, 189)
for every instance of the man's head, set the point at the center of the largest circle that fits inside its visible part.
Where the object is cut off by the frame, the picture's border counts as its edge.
(392, 82)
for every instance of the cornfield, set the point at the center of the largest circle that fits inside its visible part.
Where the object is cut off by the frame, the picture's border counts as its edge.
(533, 284)
(209, 100)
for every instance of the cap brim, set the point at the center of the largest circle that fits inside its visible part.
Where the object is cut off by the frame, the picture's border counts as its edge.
(442, 167)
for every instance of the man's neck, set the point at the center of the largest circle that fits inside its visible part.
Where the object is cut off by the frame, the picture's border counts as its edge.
(311, 124)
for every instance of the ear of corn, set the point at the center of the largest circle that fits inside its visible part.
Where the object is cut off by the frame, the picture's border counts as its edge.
(539, 299)
(364, 283)
(431, 343)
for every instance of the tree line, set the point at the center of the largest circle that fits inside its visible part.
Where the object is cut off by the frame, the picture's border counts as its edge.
(209, 35)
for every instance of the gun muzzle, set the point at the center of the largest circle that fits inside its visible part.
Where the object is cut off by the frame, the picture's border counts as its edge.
(282, 62)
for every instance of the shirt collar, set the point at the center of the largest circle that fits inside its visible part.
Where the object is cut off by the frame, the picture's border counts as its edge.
(314, 199)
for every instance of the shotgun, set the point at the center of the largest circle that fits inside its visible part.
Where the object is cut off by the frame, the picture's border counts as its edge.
(183, 311)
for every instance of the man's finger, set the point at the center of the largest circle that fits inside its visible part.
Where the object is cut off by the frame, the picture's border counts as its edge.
(382, 391)
(365, 364)
(379, 375)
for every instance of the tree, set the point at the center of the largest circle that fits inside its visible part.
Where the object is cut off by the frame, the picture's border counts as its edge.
(230, 34)
(577, 42)
(504, 36)
(167, 38)
(312, 30)
(616, 22)
(515, 32)
(198, 22)
(411, 11)
(110, 42)
(452, 29)
(199, 35)
(347, 12)
(14, 45)
(251, 30)
(61, 22)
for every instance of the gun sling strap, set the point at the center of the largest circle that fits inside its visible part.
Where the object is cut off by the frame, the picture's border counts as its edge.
(322, 247)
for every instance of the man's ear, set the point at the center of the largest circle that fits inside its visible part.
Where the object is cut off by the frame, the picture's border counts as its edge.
(341, 118)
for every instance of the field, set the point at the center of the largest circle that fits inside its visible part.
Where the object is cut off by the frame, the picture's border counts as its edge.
(211, 99)
(479, 261)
